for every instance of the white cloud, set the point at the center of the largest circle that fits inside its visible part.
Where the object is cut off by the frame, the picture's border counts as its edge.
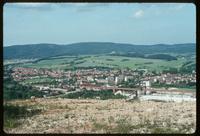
(30, 6)
(85, 7)
(179, 7)
(49, 6)
(77, 4)
(27, 5)
(139, 14)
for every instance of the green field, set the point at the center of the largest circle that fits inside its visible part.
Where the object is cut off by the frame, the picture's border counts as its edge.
(67, 62)
(38, 80)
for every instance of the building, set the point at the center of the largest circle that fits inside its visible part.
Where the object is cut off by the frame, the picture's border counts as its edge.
(119, 79)
(90, 78)
(146, 84)
(103, 81)
(126, 78)
(110, 80)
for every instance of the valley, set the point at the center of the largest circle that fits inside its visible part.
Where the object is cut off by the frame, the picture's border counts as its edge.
(107, 92)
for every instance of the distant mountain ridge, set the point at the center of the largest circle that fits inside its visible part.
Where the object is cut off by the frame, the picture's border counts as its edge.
(44, 50)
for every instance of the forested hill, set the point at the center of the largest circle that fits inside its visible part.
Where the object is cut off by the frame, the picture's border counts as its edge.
(47, 50)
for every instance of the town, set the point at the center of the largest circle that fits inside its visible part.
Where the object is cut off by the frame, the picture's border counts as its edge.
(100, 68)
(128, 82)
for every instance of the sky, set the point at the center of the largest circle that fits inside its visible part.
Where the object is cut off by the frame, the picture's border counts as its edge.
(65, 23)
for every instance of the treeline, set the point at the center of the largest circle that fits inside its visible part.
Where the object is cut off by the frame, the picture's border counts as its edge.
(154, 56)
(182, 70)
(161, 56)
(137, 55)
(73, 68)
(188, 68)
(103, 95)
(190, 85)
(14, 90)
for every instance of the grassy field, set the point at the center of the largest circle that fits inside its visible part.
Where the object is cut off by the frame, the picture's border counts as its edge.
(117, 61)
(64, 62)
(51, 63)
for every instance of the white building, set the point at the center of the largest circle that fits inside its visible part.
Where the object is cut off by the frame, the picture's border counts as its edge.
(146, 84)
(102, 81)
(90, 78)
(126, 78)
(119, 79)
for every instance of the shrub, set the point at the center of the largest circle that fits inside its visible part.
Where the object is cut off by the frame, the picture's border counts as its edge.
(14, 90)
(107, 94)
(12, 114)
(123, 125)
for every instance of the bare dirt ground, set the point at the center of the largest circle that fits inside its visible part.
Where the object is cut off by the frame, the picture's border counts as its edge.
(107, 116)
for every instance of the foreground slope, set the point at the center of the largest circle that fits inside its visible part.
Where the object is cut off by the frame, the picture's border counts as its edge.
(106, 116)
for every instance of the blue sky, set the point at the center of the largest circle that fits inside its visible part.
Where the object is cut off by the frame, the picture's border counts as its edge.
(64, 23)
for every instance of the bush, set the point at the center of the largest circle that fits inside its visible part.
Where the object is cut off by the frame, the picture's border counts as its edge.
(12, 114)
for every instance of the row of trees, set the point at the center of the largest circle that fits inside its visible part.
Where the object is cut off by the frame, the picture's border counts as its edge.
(153, 56)
(14, 90)
(105, 94)
(183, 84)
(182, 70)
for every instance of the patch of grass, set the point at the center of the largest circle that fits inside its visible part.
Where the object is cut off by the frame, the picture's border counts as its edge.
(125, 60)
(109, 59)
(64, 107)
(148, 63)
(163, 130)
(103, 108)
(11, 123)
(123, 125)
(66, 116)
(99, 126)
(86, 107)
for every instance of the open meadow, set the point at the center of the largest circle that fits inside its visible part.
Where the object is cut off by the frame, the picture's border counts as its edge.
(68, 62)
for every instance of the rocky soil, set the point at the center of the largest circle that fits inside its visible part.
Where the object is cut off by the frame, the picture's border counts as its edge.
(106, 116)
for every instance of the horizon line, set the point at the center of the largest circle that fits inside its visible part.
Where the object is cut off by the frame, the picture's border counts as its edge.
(59, 44)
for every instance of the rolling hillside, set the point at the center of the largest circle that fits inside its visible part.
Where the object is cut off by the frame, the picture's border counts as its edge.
(47, 50)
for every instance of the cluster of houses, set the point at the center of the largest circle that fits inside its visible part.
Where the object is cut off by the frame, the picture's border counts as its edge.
(170, 79)
(21, 73)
